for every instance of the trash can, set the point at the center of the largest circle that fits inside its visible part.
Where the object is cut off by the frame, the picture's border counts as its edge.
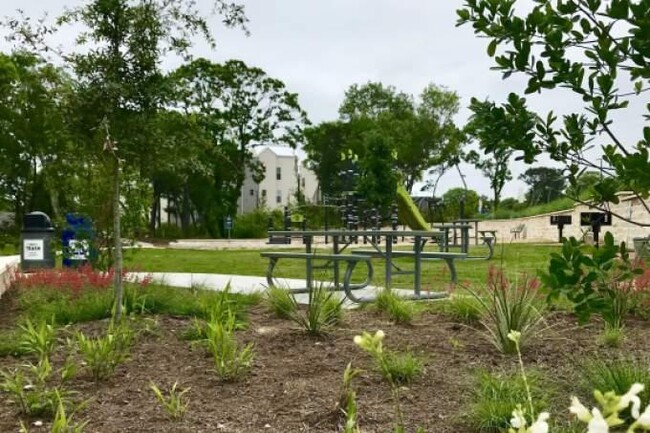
(36, 239)
(77, 239)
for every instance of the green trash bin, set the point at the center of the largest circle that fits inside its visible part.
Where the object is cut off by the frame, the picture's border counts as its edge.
(36, 240)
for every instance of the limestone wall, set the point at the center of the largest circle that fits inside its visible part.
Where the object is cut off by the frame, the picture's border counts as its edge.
(539, 229)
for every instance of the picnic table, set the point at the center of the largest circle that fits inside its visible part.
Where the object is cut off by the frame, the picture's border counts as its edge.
(342, 239)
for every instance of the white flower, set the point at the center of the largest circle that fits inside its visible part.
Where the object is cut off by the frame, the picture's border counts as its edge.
(579, 410)
(514, 336)
(358, 340)
(643, 421)
(540, 426)
(597, 423)
(631, 397)
(379, 334)
(518, 420)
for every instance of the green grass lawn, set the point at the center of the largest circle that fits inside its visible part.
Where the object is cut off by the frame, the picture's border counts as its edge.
(514, 259)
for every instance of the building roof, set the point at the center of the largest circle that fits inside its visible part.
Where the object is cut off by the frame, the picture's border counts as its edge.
(278, 150)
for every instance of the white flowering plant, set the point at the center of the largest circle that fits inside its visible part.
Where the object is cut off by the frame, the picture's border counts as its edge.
(598, 420)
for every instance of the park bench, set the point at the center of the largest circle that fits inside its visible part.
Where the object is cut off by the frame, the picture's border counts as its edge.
(330, 259)
(518, 230)
(418, 256)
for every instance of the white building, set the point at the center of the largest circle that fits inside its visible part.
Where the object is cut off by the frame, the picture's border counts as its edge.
(284, 174)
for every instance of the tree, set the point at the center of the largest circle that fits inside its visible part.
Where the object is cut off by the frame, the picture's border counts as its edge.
(378, 182)
(497, 129)
(600, 52)
(238, 107)
(452, 200)
(116, 62)
(584, 185)
(546, 184)
(422, 134)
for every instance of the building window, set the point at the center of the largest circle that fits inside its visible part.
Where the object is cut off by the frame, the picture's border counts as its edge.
(278, 197)
(252, 192)
(278, 173)
(263, 193)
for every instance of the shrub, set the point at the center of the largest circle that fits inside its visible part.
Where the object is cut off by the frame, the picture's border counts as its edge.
(255, 225)
(595, 280)
(495, 396)
(616, 375)
(510, 307)
(399, 310)
(230, 361)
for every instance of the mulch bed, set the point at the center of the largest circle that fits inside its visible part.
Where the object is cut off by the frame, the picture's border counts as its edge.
(296, 379)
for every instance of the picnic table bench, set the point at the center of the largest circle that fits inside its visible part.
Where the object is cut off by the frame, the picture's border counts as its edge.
(309, 258)
(443, 255)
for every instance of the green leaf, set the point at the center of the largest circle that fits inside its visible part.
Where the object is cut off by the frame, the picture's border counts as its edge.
(492, 48)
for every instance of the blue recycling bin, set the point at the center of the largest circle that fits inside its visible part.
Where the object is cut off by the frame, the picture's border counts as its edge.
(78, 240)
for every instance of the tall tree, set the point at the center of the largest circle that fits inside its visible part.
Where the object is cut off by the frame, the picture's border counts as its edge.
(546, 184)
(117, 64)
(597, 50)
(498, 129)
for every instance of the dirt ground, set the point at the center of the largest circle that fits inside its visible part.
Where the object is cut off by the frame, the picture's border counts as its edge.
(296, 379)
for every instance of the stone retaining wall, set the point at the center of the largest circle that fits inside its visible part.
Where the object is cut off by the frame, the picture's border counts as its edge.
(539, 229)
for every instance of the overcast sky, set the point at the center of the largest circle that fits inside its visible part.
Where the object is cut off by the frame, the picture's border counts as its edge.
(320, 47)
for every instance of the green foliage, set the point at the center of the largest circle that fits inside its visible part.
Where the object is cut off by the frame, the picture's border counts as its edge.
(463, 307)
(230, 361)
(347, 394)
(174, 403)
(594, 280)
(281, 302)
(548, 43)
(323, 310)
(102, 355)
(255, 225)
(35, 389)
(546, 184)
(39, 340)
(507, 307)
(452, 200)
(399, 310)
(496, 128)
(495, 395)
(400, 367)
(10, 344)
(63, 423)
(616, 375)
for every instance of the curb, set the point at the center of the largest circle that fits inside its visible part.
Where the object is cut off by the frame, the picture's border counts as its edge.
(7, 263)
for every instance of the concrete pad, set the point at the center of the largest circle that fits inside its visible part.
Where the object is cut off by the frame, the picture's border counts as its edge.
(247, 284)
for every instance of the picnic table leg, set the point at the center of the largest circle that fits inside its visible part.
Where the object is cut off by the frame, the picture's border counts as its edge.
(452, 269)
(269, 271)
(490, 245)
(418, 265)
(389, 259)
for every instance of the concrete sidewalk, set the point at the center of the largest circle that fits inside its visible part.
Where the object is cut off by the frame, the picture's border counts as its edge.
(240, 283)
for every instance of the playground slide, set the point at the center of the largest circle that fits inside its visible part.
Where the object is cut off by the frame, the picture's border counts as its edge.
(408, 212)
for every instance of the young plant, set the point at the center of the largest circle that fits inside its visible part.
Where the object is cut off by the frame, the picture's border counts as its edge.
(463, 307)
(347, 392)
(399, 310)
(103, 355)
(64, 423)
(174, 403)
(595, 280)
(616, 375)
(30, 388)
(230, 361)
(324, 309)
(373, 345)
(39, 340)
(280, 302)
(510, 307)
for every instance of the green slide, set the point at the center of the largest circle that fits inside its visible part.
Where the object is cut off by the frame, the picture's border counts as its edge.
(408, 212)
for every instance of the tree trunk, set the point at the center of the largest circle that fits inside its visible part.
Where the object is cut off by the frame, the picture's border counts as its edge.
(117, 277)
(154, 210)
